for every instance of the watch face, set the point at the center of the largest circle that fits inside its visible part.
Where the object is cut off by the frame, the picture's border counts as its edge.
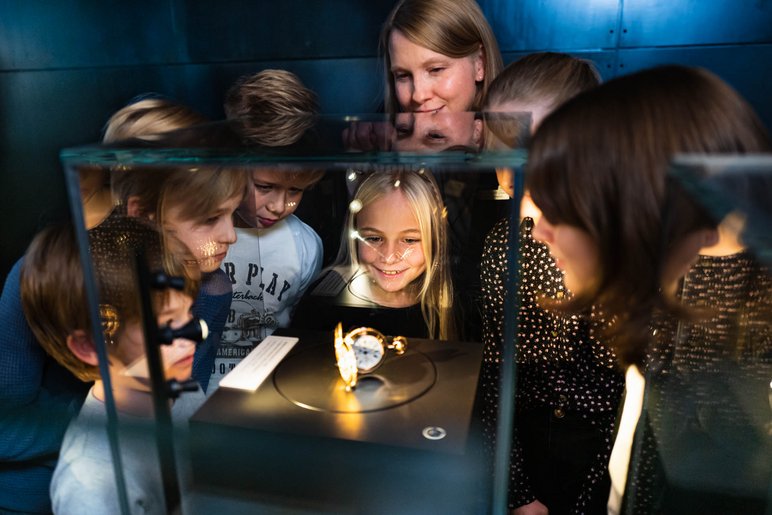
(368, 350)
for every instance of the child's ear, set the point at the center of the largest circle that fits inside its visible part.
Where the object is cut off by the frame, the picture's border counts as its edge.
(133, 207)
(82, 346)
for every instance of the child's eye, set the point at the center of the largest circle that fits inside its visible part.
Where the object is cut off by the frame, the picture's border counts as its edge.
(412, 241)
(263, 187)
(373, 239)
(401, 77)
(436, 69)
(211, 220)
(295, 191)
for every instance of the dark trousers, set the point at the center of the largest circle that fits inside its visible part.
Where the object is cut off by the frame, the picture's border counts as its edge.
(559, 454)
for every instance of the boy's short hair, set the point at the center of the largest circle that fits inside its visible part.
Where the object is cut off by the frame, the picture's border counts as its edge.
(273, 107)
(269, 92)
(53, 295)
(147, 118)
(53, 292)
(551, 76)
(309, 175)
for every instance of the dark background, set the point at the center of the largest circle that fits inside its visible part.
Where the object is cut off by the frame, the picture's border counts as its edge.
(66, 66)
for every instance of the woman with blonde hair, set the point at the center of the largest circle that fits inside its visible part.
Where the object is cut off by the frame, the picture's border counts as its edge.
(438, 55)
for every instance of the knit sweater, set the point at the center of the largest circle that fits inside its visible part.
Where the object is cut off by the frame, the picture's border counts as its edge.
(212, 305)
(38, 397)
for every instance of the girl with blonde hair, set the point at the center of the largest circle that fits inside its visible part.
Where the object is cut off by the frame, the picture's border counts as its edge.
(397, 238)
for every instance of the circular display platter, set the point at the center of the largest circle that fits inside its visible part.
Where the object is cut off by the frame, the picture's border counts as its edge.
(310, 379)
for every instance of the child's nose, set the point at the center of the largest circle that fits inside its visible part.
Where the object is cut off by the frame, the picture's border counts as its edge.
(183, 343)
(193, 332)
(278, 203)
(228, 232)
(390, 253)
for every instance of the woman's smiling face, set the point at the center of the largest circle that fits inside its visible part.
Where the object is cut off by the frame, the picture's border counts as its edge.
(427, 81)
(389, 244)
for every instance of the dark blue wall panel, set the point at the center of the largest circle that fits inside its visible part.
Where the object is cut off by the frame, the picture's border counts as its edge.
(695, 22)
(72, 33)
(604, 60)
(239, 30)
(553, 24)
(747, 68)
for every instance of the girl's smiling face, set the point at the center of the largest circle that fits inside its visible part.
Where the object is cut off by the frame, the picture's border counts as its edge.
(390, 247)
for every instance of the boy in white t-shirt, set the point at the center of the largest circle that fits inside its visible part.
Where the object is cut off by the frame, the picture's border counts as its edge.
(270, 266)
(276, 256)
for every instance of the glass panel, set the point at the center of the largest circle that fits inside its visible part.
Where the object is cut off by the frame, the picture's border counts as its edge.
(289, 227)
(703, 443)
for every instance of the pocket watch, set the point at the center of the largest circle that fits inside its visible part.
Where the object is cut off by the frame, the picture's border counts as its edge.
(346, 359)
(361, 351)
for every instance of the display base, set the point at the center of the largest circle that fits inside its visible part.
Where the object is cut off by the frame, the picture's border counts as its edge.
(405, 447)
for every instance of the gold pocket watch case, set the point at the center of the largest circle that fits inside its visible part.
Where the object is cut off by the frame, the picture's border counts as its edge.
(361, 351)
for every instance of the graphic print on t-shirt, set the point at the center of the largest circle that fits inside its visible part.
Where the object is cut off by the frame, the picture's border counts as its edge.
(269, 270)
(251, 317)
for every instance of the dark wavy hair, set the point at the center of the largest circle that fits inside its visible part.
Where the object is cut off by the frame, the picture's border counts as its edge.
(599, 163)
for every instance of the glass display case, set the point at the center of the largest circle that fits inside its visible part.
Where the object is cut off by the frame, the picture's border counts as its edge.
(371, 223)
(368, 324)
(704, 440)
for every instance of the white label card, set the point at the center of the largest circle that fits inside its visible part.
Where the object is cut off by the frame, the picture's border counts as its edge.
(258, 365)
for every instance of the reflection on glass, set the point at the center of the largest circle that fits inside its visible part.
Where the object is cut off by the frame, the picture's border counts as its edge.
(704, 444)
(437, 131)
(95, 195)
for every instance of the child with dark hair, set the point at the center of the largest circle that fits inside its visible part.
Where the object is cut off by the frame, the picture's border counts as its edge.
(277, 255)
